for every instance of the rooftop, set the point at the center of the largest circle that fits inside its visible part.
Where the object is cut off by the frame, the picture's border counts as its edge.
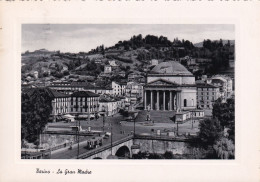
(171, 68)
(52, 93)
(84, 94)
(205, 85)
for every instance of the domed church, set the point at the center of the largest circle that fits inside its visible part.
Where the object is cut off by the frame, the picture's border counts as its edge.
(170, 86)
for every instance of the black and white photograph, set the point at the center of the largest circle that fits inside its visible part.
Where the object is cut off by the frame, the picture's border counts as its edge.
(128, 91)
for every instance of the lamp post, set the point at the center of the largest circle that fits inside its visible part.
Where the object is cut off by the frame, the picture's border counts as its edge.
(133, 114)
(177, 128)
(192, 114)
(77, 132)
(134, 126)
(103, 114)
(111, 137)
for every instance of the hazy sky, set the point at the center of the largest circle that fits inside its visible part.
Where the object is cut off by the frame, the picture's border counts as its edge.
(84, 37)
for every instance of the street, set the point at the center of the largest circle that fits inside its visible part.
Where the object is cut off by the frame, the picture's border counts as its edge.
(120, 129)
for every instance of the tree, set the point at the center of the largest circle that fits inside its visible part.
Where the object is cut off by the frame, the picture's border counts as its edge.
(66, 73)
(35, 114)
(210, 131)
(224, 112)
(45, 74)
(224, 148)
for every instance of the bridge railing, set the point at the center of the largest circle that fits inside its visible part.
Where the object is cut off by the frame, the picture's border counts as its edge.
(165, 138)
(64, 132)
(130, 137)
(105, 147)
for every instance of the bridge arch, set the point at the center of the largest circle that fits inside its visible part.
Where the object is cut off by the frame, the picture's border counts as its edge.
(123, 152)
(97, 158)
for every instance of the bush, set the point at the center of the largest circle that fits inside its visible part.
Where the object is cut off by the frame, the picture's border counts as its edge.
(168, 155)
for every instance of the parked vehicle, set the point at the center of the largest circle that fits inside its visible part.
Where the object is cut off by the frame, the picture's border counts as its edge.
(107, 135)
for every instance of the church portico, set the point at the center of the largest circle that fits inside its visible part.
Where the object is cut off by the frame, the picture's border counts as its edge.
(161, 99)
(170, 86)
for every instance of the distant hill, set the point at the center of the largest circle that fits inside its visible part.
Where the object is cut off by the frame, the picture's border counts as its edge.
(38, 52)
(200, 44)
(131, 55)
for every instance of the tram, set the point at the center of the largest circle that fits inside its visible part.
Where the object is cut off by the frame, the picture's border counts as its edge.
(94, 143)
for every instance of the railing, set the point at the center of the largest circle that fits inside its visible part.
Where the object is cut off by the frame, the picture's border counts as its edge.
(105, 147)
(148, 137)
(64, 132)
(164, 138)
(44, 151)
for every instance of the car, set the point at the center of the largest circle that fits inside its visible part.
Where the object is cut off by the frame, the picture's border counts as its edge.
(92, 116)
(107, 135)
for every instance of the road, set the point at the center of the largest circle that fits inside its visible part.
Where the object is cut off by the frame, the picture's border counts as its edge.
(120, 129)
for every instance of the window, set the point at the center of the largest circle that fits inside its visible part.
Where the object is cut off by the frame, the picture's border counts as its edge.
(185, 103)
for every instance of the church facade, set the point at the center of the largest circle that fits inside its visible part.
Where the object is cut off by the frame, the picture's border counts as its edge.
(170, 86)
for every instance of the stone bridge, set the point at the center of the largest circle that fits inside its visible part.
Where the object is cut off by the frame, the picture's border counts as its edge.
(120, 148)
(130, 145)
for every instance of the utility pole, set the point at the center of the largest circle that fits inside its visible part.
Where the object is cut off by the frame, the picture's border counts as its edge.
(134, 126)
(177, 128)
(103, 122)
(111, 137)
(77, 133)
(103, 112)
(78, 138)
(191, 120)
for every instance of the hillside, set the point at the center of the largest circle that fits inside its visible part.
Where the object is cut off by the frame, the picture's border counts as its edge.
(200, 44)
(130, 56)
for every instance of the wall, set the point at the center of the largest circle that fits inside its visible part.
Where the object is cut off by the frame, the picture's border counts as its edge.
(104, 154)
(189, 94)
(51, 140)
(160, 147)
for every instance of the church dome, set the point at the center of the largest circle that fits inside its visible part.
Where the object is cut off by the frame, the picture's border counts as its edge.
(170, 68)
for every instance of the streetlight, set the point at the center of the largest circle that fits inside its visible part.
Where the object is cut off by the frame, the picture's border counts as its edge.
(177, 128)
(133, 113)
(77, 132)
(111, 130)
(103, 114)
(192, 114)
(134, 126)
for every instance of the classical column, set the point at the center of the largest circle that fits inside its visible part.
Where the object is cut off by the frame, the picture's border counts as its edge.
(145, 100)
(158, 103)
(151, 100)
(174, 101)
(177, 100)
(170, 100)
(163, 100)
(180, 101)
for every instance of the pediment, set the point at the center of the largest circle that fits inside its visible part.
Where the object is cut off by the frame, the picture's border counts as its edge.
(161, 82)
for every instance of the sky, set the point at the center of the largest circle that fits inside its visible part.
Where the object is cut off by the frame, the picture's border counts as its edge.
(84, 37)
